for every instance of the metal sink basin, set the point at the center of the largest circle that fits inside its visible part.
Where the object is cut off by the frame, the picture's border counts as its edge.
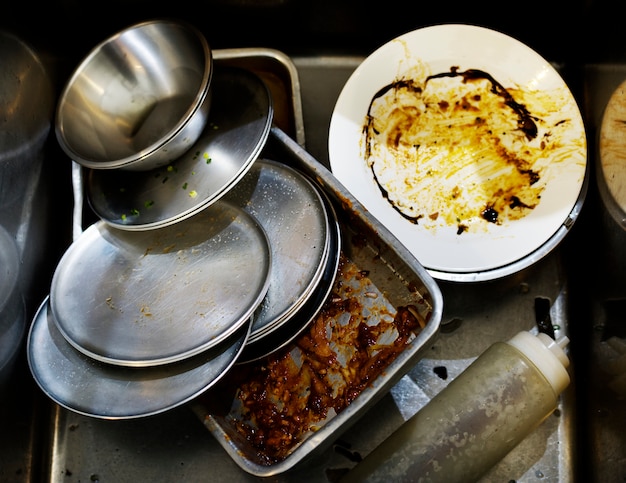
(598, 308)
(580, 288)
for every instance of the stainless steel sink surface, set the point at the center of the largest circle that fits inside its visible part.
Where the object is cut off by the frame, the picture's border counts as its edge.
(580, 287)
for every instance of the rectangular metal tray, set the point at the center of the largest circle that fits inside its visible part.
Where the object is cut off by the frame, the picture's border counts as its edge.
(279, 74)
(394, 273)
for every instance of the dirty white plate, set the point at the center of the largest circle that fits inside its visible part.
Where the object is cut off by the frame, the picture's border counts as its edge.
(611, 168)
(462, 148)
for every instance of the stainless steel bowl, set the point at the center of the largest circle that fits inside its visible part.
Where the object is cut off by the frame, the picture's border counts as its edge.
(26, 109)
(139, 100)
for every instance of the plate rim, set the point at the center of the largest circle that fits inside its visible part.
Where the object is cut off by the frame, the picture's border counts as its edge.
(315, 275)
(93, 234)
(43, 315)
(337, 155)
(226, 74)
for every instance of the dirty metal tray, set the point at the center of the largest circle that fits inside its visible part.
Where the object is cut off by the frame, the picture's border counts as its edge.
(280, 76)
(380, 276)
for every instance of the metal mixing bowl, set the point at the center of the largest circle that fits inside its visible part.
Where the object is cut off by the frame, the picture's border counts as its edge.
(139, 100)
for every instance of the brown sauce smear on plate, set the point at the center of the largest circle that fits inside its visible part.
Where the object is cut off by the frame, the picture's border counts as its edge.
(458, 149)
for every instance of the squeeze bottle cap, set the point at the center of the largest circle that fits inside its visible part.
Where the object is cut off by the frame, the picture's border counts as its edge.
(547, 355)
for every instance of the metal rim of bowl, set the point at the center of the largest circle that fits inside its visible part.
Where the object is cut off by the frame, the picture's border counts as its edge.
(203, 93)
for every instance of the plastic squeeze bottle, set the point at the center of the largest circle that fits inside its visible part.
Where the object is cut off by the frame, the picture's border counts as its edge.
(477, 419)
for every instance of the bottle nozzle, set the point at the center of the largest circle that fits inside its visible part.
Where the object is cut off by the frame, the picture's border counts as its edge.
(556, 347)
(547, 354)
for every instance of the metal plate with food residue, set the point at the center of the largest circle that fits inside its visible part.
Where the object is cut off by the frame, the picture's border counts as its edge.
(107, 391)
(295, 219)
(275, 339)
(239, 123)
(159, 296)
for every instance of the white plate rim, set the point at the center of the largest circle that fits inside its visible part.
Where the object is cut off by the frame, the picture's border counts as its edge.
(441, 46)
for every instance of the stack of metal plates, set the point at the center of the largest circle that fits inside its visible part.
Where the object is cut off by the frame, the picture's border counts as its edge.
(219, 258)
(304, 237)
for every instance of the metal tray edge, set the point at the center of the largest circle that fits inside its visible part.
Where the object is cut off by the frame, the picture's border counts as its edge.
(287, 64)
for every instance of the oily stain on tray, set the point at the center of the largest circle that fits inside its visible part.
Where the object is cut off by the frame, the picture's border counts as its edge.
(279, 402)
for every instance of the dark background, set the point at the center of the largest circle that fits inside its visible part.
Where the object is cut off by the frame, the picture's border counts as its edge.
(576, 31)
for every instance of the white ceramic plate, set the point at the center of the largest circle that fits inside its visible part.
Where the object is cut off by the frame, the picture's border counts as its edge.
(451, 244)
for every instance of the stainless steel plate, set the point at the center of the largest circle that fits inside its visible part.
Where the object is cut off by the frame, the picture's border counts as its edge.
(159, 296)
(293, 214)
(239, 123)
(106, 391)
(274, 340)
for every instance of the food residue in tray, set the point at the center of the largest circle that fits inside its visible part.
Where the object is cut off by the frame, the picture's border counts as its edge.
(282, 399)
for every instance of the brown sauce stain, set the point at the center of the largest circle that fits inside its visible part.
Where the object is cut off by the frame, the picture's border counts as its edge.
(458, 149)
